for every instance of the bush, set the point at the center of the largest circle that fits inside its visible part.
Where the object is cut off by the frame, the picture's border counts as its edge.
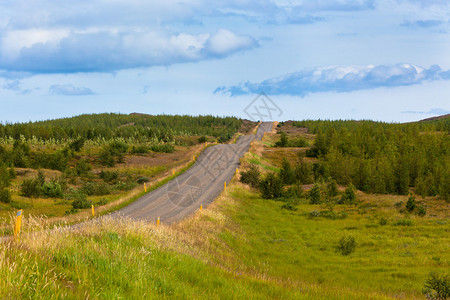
(96, 189)
(346, 245)
(436, 286)
(202, 139)
(383, 221)
(80, 201)
(251, 176)
(30, 187)
(332, 189)
(5, 195)
(286, 172)
(12, 172)
(314, 194)
(77, 145)
(271, 187)
(283, 142)
(5, 179)
(106, 158)
(421, 211)
(143, 179)
(298, 142)
(82, 167)
(164, 148)
(52, 189)
(411, 203)
(140, 149)
(349, 196)
(294, 192)
(109, 176)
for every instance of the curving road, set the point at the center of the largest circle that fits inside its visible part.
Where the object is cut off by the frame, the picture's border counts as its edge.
(201, 184)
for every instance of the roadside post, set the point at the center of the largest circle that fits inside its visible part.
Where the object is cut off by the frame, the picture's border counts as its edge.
(18, 222)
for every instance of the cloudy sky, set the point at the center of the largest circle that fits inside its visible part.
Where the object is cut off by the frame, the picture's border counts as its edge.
(337, 59)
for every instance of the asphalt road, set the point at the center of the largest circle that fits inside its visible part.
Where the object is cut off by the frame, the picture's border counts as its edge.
(201, 184)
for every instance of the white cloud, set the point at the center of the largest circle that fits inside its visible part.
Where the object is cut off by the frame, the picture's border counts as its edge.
(339, 79)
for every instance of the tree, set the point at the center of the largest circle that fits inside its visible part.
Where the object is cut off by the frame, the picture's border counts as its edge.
(286, 172)
(271, 187)
(5, 180)
(332, 189)
(251, 176)
(303, 172)
(349, 196)
(411, 203)
(5, 195)
(314, 194)
(283, 142)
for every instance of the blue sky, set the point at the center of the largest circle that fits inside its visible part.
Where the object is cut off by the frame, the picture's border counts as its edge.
(344, 59)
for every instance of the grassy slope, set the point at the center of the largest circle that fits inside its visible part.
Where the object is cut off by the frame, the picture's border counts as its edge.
(240, 247)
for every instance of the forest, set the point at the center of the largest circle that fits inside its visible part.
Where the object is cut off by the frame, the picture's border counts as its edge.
(104, 127)
(379, 157)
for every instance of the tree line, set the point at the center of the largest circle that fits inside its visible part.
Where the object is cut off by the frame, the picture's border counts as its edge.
(111, 125)
(382, 157)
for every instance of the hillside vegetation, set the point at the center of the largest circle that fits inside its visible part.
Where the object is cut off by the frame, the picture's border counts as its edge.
(286, 227)
(59, 167)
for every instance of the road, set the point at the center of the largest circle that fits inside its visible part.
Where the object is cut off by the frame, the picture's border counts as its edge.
(199, 185)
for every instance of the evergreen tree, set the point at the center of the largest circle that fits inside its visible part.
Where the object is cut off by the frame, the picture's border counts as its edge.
(314, 194)
(349, 196)
(286, 172)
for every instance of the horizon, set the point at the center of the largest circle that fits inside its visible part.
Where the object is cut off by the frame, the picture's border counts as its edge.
(381, 60)
(223, 116)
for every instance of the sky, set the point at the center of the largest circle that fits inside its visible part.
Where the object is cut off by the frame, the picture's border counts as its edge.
(386, 60)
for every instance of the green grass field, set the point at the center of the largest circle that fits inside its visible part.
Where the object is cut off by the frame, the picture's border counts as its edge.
(240, 247)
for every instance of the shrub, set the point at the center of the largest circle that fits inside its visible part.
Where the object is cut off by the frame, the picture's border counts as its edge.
(5, 179)
(349, 196)
(118, 147)
(5, 195)
(286, 172)
(96, 189)
(77, 145)
(421, 211)
(346, 245)
(106, 158)
(314, 194)
(30, 187)
(436, 286)
(202, 139)
(332, 189)
(164, 148)
(298, 142)
(283, 142)
(109, 176)
(143, 179)
(12, 172)
(271, 187)
(411, 203)
(251, 176)
(294, 192)
(82, 167)
(52, 189)
(383, 221)
(140, 149)
(80, 201)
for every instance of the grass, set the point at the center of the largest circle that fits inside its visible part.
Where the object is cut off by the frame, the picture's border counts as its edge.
(240, 247)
